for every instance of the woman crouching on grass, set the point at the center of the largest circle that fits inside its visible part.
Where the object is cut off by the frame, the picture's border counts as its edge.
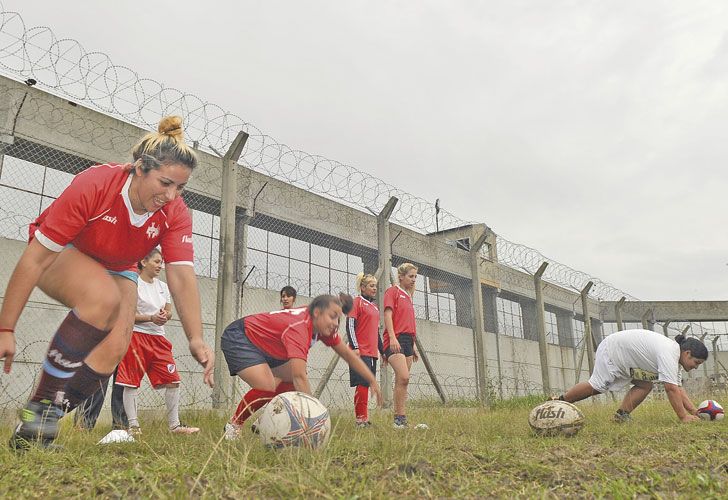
(269, 352)
(642, 357)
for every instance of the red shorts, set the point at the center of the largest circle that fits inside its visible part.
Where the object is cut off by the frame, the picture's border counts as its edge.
(150, 354)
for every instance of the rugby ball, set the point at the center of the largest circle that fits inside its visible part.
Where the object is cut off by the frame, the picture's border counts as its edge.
(556, 418)
(710, 410)
(294, 419)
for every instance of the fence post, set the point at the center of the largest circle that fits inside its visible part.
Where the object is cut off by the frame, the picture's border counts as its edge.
(226, 289)
(384, 269)
(618, 313)
(481, 363)
(541, 326)
(705, 366)
(646, 316)
(588, 337)
(715, 360)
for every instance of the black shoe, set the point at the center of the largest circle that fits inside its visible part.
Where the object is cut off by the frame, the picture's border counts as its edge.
(38, 426)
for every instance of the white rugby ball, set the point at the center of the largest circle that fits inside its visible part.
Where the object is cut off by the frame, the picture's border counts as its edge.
(710, 410)
(294, 419)
(556, 418)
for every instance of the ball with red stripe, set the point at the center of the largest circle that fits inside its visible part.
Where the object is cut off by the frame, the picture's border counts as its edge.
(710, 410)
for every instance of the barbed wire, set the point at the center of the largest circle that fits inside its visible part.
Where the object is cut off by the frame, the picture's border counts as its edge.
(62, 66)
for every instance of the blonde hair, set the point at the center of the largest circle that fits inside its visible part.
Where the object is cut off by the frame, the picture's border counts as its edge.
(403, 269)
(166, 146)
(364, 279)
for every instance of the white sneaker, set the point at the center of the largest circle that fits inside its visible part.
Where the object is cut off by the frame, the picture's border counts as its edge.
(232, 432)
(184, 429)
(422, 427)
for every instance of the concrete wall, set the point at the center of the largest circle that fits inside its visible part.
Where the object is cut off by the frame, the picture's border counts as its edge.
(57, 126)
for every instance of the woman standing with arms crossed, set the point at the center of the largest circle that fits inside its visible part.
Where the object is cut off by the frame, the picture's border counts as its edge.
(83, 252)
(150, 352)
(400, 328)
(362, 327)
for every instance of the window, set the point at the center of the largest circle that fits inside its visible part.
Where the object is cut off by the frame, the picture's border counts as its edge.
(577, 327)
(510, 317)
(433, 299)
(26, 189)
(206, 241)
(311, 269)
(552, 330)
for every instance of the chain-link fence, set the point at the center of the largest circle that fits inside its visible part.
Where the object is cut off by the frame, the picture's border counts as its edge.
(304, 221)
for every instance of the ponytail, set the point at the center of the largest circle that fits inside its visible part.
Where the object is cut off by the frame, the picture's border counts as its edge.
(166, 146)
(696, 347)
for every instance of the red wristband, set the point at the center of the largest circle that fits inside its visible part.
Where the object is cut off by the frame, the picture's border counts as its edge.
(8, 330)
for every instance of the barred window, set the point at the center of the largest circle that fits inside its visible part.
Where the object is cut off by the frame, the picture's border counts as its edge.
(510, 317)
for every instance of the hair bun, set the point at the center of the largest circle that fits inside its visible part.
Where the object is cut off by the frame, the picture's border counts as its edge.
(680, 338)
(171, 126)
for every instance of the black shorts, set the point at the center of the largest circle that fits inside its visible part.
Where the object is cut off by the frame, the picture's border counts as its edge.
(406, 344)
(356, 379)
(240, 352)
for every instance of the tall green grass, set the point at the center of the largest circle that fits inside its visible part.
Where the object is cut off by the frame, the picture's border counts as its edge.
(465, 453)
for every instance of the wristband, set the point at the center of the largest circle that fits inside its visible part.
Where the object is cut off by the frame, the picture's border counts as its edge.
(7, 330)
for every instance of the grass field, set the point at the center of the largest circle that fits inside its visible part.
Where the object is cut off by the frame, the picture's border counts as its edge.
(466, 452)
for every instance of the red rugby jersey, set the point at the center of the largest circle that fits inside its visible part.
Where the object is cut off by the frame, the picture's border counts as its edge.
(285, 334)
(94, 214)
(403, 312)
(363, 321)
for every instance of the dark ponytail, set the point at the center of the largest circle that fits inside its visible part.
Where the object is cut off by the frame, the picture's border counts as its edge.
(344, 301)
(695, 346)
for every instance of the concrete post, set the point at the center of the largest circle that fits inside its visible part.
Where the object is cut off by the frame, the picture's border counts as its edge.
(481, 367)
(226, 289)
(618, 313)
(490, 310)
(646, 319)
(705, 365)
(384, 278)
(541, 327)
(715, 360)
(588, 337)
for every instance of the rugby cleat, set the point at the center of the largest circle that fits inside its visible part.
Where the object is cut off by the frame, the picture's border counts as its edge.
(38, 426)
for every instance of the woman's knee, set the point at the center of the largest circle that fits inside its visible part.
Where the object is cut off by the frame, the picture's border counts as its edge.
(101, 307)
(402, 378)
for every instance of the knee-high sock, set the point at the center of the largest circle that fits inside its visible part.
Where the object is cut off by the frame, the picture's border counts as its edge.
(84, 383)
(72, 342)
(361, 402)
(130, 405)
(285, 387)
(171, 399)
(253, 399)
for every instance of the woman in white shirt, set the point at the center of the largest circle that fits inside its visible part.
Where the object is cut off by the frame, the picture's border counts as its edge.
(642, 357)
(150, 352)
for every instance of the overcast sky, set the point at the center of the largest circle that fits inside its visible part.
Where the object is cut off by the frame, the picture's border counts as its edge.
(593, 131)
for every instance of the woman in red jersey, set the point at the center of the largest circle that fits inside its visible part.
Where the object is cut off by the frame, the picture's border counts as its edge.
(400, 329)
(269, 352)
(362, 327)
(83, 252)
